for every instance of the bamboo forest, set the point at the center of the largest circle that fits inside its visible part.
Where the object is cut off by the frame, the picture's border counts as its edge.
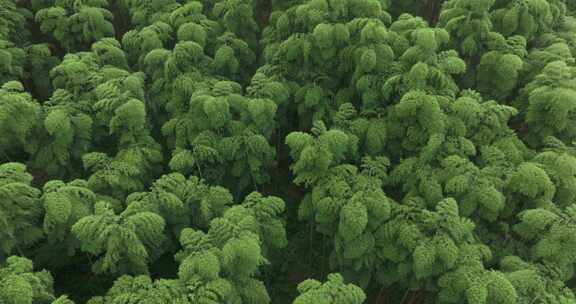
(287, 151)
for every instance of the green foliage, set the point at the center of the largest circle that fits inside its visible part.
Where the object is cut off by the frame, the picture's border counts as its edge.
(222, 136)
(551, 235)
(141, 289)
(13, 59)
(333, 291)
(499, 69)
(96, 118)
(125, 243)
(229, 255)
(549, 103)
(12, 22)
(19, 114)
(20, 209)
(239, 151)
(218, 266)
(40, 59)
(20, 284)
(64, 205)
(468, 22)
(314, 155)
(182, 202)
(535, 281)
(76, 24)
(527, 18)
(238, 18)
(67, 132)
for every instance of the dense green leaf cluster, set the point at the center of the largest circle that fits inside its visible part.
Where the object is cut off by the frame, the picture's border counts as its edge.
(287, 151)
